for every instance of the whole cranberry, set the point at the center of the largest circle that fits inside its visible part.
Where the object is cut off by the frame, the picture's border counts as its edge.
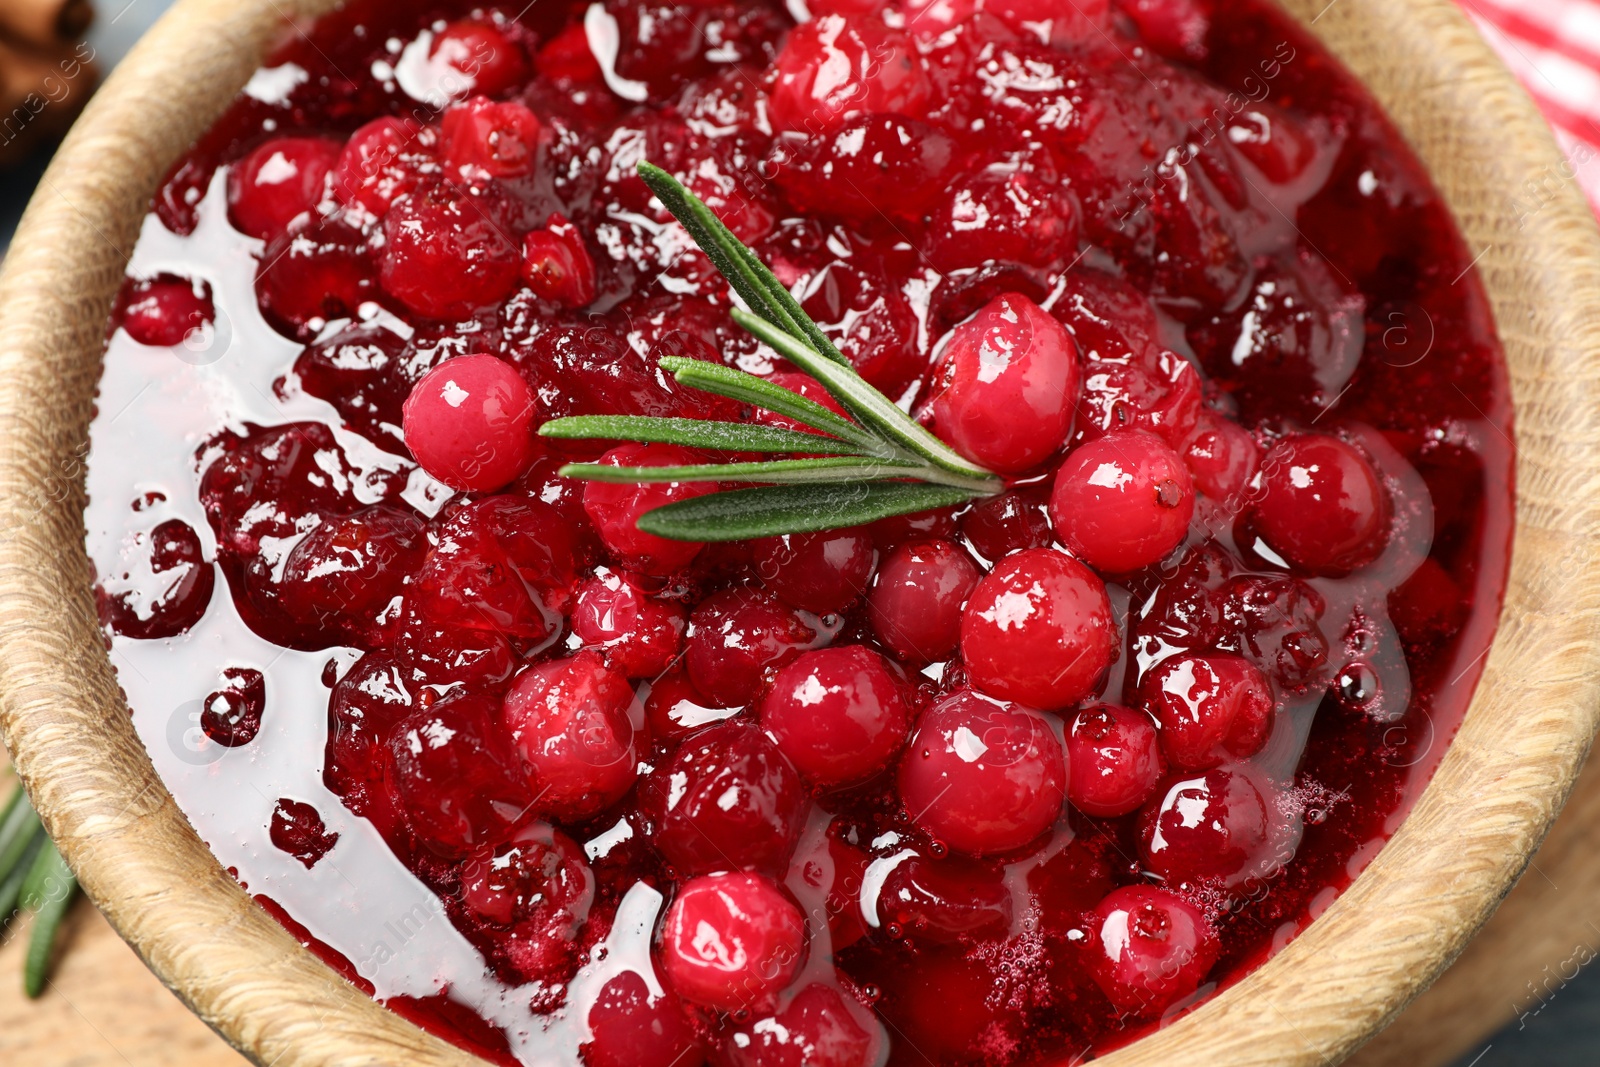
(482, 139)
(822, 573)
(469, 423)
(1212, 826)
(1152, 948)
(453, 778)
(736, 637)
(482, 54)
(447, 252)
(165, 309)
(1004, 213)
(952, 900)
(615, 509)
(346, 572)
(538, 888)
(821, 1026)
(839, 714)
(870, 166)
(383, 161)
(571, 720)
(557, 266)
(365, 706)
(915, 605)
(279, 181)
(1039, 629)
(1115, 760)
(1222, 458)
(630, 1028)
(231, 715)
(983, 777)
(1008, 384)
(1010, 522)
(1212, 708)
(639, 635)
(832, 68)
(567, 59)
(732, 941)
(315, 271)
(1321, 507)
(1122, 502)
(727, 799)
(1159, 393)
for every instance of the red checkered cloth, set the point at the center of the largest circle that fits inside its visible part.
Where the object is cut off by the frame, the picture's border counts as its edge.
(1553, 46)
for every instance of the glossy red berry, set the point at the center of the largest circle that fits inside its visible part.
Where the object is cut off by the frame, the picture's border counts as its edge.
(736, 637)
(278, 182)
(1007, 386)
(628, 1027)
(1038, 629)
(732, 941)
(1151, 949)
(483, 55)
(297, 828)
(615, 509)
(346, 572)
(1215, 825)
(164, 310)
(1222, 458)
(832, 68)
(469, 423)
(1213, 708)
(915, 605)
(1115, 758)
(1321, 507)
(231, 715)
(557, 266)
(383, 161)
(949, 900)
(482, 139)
(822, 573)
(316, 271)
(1008, 214)
(639, 634)
(983, 777)
(1000, 525)
(448, 252)
(535, 891)
(839, 714)
(573, 722)
(820, 1026)
(1122, 502)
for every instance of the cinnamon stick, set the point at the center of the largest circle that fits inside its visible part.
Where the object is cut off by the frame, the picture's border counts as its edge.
(45, 24)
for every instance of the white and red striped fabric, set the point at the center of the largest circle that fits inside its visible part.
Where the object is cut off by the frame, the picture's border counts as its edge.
(1553, 46)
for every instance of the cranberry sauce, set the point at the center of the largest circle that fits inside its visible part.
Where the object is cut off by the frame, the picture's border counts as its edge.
(995, 784)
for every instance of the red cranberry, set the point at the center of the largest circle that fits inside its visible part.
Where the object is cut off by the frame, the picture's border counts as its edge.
(1152, 948)
(297, 829)
(383, 161)
(278, 182)
(1175, 28)
(1000, 525)
(871, 166)
(1038, 629)
(469, 423)
(641, 636)
(1222, 458)
(839, 714)
(446, 253)
(983, 777)
(483, 54)
(1004, 213)
(567, 58)
(819, 1027)
(915, 605)
(346, 572)
(1115, 758)
(950, 900)
(483, 139)
(936, 525)
(736, 637)
(1212, 709)
(871, 321)
(732, 941)
(630, 1028)
(571, 721)
(316, 271)
(165, 309)
(726, 799)
(822, 573)
(1276, 623)
(232, 715)
(1009, 384)
(674, 708)
(452, 777)
(166, 589)
(1212, 826)
(538, 887)
(366, 704)
(1122, 502)
(1322, 507)
(615, 509)
(557, 266)
(831, 69)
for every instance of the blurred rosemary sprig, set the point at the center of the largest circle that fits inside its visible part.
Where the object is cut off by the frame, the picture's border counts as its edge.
(34, 878)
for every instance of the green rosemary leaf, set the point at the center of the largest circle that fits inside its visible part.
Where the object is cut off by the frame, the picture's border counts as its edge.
(867, 404)
(770, 511)
(776, 471)
(737, 385)
(49, 891)
(17, 831)
(692, 433)
(749, 277)
(11, 882)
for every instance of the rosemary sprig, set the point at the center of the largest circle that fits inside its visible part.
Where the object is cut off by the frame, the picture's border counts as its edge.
(33, 877)
(876, 463)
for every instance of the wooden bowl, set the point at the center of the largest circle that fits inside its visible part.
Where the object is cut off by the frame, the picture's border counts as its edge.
(1418, 904)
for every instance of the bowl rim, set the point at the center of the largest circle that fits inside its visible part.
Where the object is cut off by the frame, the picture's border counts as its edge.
(1469, 836)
